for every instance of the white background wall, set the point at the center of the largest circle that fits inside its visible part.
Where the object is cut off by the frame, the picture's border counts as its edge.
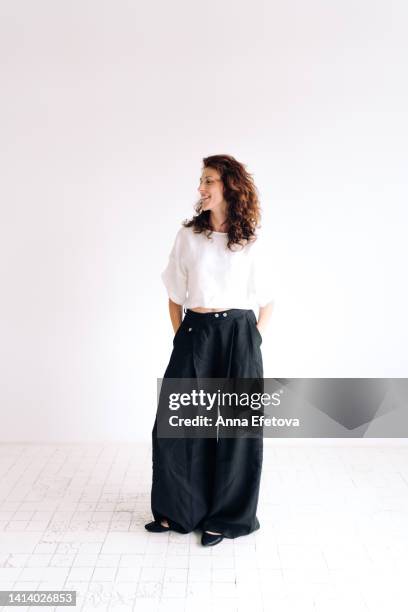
(106, 111)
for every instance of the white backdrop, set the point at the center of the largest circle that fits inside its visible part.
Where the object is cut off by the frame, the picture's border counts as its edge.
(106, 111)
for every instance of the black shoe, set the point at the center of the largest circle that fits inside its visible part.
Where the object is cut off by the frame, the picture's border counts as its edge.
(156, 527)
(210, 539)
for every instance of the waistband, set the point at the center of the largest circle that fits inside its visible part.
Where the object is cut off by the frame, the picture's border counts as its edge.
(222, 315)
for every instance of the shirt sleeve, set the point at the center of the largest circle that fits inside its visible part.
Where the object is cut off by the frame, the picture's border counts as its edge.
(262, 278)
(174, 276)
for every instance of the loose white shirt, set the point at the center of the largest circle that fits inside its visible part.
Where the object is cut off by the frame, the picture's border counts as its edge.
(203, 272)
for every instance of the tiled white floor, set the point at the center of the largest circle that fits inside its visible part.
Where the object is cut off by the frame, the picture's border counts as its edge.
(333, 537)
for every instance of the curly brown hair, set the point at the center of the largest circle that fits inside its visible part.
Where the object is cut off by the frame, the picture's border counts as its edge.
(241, 195)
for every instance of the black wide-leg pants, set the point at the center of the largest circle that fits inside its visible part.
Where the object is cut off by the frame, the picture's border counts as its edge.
(210, 483)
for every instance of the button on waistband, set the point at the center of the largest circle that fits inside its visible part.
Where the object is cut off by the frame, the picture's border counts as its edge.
(224, 314)
(217, 314)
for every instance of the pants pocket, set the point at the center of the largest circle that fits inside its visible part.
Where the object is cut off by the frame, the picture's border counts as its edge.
(259, 334)
(256, 330)
(176, 335)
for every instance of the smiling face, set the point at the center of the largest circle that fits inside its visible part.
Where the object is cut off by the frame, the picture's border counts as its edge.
(211, 189)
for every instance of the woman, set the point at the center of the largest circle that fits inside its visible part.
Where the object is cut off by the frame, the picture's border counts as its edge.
(215, 271)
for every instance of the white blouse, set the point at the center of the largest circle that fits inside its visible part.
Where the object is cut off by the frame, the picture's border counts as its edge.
(203, 272)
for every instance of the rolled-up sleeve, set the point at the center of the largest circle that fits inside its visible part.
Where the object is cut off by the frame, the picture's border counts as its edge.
(174, 276)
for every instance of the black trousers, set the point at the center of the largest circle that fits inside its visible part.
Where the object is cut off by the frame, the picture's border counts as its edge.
(210, 483)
